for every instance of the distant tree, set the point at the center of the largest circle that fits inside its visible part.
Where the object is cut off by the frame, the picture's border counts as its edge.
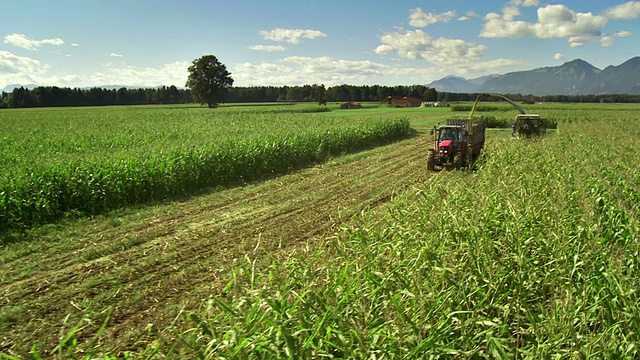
(430, 94)
(209, 81)
(355, 94)
(4, 100)
(415, 92)
(173, 94)
(20, 97)
(321, 94)
(294, 93)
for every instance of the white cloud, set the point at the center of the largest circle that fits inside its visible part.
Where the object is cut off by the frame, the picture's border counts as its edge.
(468, 15)
(170, 74)
(525, 3)
(577, 41)
(311, 65)
(418, 18)
(384, 49)
(510, 12)
(64, 80)
(558, 56)
(75, 44)
(299, 70)
(622, 33)
(16, 69)
(470, 69)
(292, 36)
(450, 55)
(606, 41)
(626, 11)
(14, 64)
(25, 42)
(268, 48)
(419, 45)
(22, 70)
(554, 21)
(116, 55)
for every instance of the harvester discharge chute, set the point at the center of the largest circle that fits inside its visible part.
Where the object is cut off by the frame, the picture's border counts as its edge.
(525, 125)
(459, 142)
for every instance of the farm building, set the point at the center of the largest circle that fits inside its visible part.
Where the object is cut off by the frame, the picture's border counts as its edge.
(402, 101)
(435, 104)
(350, 105)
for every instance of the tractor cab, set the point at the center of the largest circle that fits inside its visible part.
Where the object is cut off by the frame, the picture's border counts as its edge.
(447, 132)
(448, 138)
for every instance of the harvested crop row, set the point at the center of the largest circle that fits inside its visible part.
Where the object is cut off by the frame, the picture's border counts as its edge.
(532, 256)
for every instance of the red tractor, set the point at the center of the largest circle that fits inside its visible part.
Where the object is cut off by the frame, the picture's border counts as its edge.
(457, 144)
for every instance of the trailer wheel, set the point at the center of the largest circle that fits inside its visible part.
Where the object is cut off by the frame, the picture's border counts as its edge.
(458, 160)
(468, 159)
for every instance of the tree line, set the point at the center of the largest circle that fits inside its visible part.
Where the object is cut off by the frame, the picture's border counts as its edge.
(320, 94)
(53, 96)
(95, 96)
(530, 99)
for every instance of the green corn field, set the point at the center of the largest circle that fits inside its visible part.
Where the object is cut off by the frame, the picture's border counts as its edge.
(532, 255)
(68, 162)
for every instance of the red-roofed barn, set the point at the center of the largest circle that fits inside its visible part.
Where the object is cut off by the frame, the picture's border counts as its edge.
(402, 101)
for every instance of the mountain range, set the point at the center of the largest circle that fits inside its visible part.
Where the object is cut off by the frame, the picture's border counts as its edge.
(576, 77)
(9, 88)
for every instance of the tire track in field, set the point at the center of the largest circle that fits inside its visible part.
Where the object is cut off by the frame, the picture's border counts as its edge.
(146, 271)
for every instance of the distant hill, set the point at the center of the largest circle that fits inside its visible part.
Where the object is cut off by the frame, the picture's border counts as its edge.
(451, 83)
(9, 88)
(481, 80)
(576, 77)
(621, 79)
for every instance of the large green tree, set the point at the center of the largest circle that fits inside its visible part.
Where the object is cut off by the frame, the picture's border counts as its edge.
(209, 80)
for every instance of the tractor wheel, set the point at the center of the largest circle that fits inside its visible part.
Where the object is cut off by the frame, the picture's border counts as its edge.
(431, 161)
(462, 160)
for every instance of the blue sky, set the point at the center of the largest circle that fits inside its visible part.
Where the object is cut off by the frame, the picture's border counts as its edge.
(77, 43)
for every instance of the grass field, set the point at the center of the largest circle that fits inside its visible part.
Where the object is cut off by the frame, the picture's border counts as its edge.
(533, 255)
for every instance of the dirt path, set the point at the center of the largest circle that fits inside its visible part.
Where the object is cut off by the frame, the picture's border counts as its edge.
(144, 268)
